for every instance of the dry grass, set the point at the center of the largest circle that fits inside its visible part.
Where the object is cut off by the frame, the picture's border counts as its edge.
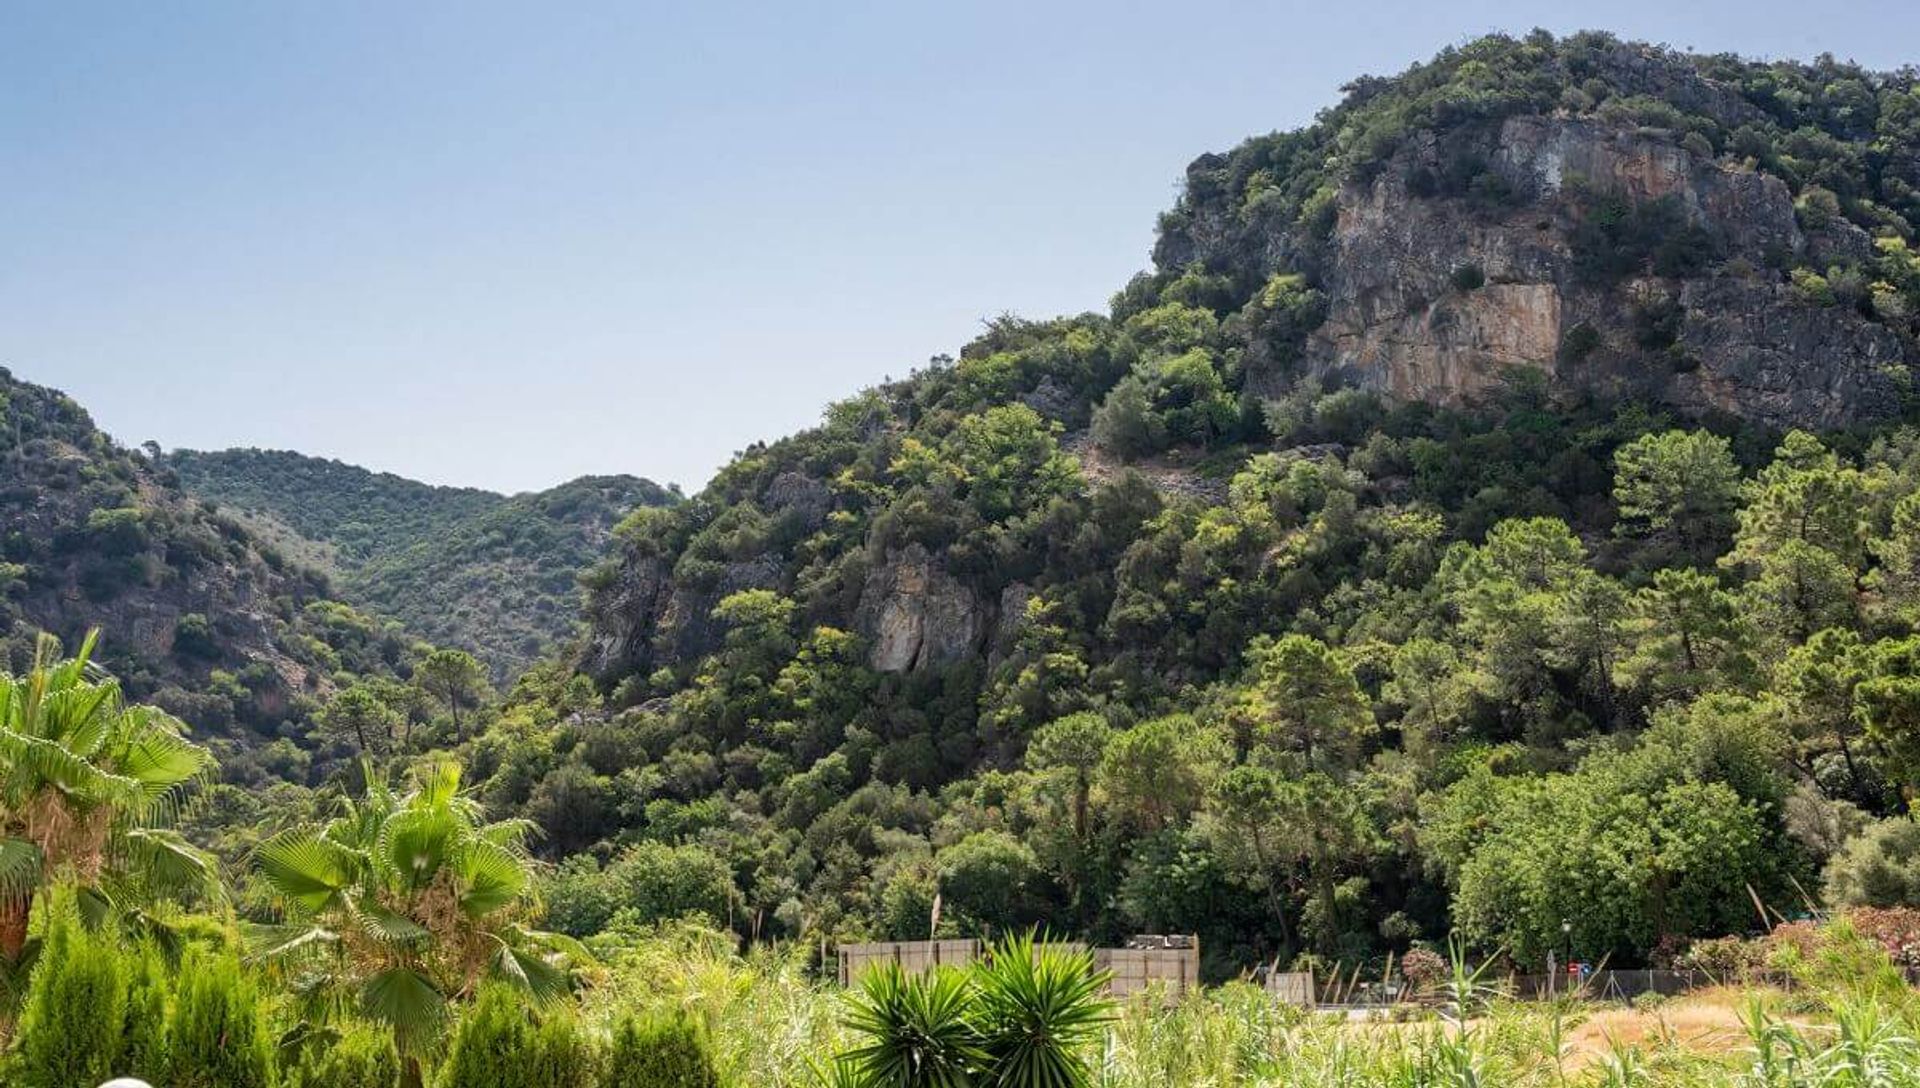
(1703, 1022)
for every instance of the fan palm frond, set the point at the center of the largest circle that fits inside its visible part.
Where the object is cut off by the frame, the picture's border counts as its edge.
(312, 873)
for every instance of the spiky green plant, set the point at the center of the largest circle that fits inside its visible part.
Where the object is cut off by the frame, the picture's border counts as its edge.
(919, 1030)
(1039, 1011)
(1870, 1049)
(356, 1055)
(71, 1022)
(412, 900)
(217, 1034)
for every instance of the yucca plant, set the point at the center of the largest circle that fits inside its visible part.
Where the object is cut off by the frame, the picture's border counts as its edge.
(86, 784)
(1040, 1010)
(920, 1030)
(411, 900)
(1026, 1016)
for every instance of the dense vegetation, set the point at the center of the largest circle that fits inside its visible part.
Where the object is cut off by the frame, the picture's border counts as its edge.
(205, 620)
(1331, 676)
(1114, 623)
(492, 574)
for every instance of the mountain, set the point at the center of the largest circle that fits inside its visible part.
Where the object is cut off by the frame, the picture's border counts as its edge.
(1435, 538)
(197, 613)
(1719, 239)
(1706, 233)
(491, 573)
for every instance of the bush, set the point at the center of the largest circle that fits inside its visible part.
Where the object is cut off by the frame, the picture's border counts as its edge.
(652, 882)
(1579, 342)
(1812, 288)
(660, 1051)
(1423, 968)
(1725, 958)
(1880, 867)
(143, 1032)
(1895, 930)
(1023, 1016)
(69, 1031)
(498, 1045)
(1468, 277)
(361, 1056)
(217, 1036)
(1125, 424)
(563, 1055)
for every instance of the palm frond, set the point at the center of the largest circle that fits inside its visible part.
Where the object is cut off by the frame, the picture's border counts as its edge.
(288, 942)
(310, 872)
(490, 877)
(538, 975)
(167, 865)
(404, 1000)
(387, 926)
(20, 868)
(416, 841)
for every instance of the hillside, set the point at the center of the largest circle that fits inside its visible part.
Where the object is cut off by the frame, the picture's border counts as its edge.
(492, 573)
(197, 613)
(1475, 575)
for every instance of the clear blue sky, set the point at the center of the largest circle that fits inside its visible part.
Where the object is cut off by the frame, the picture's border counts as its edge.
(504, 245)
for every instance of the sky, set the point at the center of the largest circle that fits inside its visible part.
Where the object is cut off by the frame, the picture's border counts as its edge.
(504, 245)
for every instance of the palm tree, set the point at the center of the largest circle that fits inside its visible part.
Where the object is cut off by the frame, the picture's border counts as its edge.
(85, 783)
(411, 901)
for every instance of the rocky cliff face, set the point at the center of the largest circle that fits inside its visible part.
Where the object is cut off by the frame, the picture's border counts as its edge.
(1436, 296)
(915, 615)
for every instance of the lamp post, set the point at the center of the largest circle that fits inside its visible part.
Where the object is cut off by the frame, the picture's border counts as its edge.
(1566, 934)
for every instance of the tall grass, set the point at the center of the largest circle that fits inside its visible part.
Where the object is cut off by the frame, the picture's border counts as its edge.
(774, 1025)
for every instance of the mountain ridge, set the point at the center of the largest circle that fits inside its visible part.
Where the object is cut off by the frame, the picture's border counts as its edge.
(487, 571)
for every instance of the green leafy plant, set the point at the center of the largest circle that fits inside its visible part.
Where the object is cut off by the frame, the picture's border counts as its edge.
(919, 1030)
(360, 1055)
(86, 781)
(217, 1036)
(1025, 1016)
(71, 1023)
(413, 901)
(1039, 1011)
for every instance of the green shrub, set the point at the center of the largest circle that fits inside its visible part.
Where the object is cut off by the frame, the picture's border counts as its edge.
(490, 1046)
(143, 1031)
(1468, 277)
(1812, 288)
(217, 1036)
(1040, 1013)
(562, 1054)
(1880, 867)
(360, 1056)
(1579, 342)
(69, 1032)
(499, 1045)
(660, 1051)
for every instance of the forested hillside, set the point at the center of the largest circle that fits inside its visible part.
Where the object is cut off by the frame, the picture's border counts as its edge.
(1495, 508)
(494, 574)
(199, 615)
(1478, 559)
